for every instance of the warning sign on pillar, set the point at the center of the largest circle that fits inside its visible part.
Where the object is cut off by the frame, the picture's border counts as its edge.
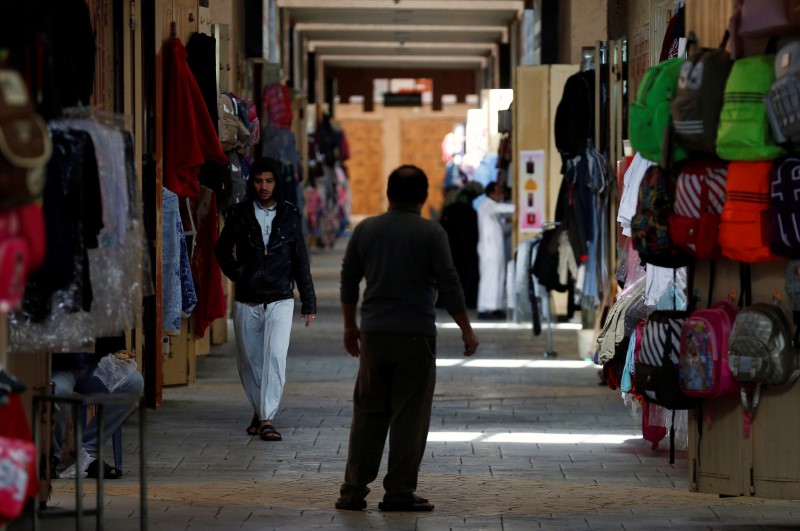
(531, 191)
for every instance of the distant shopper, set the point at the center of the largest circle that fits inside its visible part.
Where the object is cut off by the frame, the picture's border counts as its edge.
(270, 257)
(491, 251)
(405, 260)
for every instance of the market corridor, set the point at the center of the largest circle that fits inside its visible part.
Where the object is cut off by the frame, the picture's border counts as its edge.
(514, 444)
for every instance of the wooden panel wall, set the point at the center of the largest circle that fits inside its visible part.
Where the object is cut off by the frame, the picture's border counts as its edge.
(708, 19)
(421, 141)
(365, 166)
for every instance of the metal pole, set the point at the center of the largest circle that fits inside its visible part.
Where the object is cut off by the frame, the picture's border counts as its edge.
(101, 472)
(142, 468)
(77, 429)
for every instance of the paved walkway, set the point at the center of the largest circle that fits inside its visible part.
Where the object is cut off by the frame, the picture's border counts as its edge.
(515, 444)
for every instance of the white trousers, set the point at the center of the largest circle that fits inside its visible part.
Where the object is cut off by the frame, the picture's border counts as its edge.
(262, 342)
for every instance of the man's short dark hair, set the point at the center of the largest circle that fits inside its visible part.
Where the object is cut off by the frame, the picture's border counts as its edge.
(264, 165)
(490, 188)
(407, 184)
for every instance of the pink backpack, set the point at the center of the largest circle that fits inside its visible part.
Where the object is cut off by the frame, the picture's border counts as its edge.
(703, 369)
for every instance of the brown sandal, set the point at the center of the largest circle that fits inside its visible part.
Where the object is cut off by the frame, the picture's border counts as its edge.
(269, 433)
(252, 429)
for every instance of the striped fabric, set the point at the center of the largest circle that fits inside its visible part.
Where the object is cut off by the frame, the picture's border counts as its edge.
(691, 182)
(662, 335)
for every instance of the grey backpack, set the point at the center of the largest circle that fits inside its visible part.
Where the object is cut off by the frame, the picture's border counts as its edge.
(761, 350)
(783, 101)
(698, 101)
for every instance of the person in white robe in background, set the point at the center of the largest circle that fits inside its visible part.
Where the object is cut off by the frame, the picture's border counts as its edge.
(491, 251)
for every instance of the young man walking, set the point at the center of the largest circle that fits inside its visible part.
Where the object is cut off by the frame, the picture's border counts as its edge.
(270, 257)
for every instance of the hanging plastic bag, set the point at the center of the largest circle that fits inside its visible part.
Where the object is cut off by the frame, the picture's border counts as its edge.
(116, 369)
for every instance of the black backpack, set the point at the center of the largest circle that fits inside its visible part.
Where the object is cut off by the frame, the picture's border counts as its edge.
(574, 121)
(784, 207)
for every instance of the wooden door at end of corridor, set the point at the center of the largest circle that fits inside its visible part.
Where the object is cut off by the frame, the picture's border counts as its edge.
(365, 166)
(422, 146)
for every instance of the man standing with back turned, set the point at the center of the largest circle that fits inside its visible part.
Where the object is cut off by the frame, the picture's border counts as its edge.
(405, 260)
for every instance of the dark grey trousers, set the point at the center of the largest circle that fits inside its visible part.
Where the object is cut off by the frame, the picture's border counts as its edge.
(393, 393)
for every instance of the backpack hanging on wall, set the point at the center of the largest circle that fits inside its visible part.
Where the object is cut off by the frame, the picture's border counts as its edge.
(698, 99)
(650, 112)
(784, 207)
(783, 100)
(703, 370)
(744, 132)
(762, 18)
(744, 223)
(650, 225)
(699, 200)
(761, 351)
(656, 377)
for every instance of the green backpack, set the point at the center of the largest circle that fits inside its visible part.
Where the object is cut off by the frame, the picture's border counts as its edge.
(744, 132)
(650, 113)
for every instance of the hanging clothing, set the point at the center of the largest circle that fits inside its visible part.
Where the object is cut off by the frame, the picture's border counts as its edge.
(178, 293)
(276, 106)
(205, 269)
(191, 138)
(71, 228)
(491, 250)
(114, 264)
(201, 50)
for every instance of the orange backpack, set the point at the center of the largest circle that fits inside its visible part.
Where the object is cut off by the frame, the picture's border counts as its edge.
(744, 224)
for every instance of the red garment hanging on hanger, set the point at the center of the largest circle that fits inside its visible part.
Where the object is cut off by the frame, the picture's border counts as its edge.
(190, 138)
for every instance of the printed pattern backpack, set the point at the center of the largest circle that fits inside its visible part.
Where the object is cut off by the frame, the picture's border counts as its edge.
(699, 200)
(744, 132)
(784, 207)
(744, 223)
(698, 101)
(650, 225)
(656, 377)
(783, 101)
(703, 369)
(650, 113)
(761, 350)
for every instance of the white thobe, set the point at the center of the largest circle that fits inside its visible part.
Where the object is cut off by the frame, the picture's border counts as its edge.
(491, 251)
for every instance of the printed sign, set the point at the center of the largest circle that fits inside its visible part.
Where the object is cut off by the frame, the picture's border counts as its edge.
(530, 192)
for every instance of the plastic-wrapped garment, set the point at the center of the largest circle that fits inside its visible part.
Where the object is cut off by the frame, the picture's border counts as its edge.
(660, 284)
(114, 266)
(178, 293)
(72, 181)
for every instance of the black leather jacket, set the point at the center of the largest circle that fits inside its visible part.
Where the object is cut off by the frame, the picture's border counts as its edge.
(266, 275)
